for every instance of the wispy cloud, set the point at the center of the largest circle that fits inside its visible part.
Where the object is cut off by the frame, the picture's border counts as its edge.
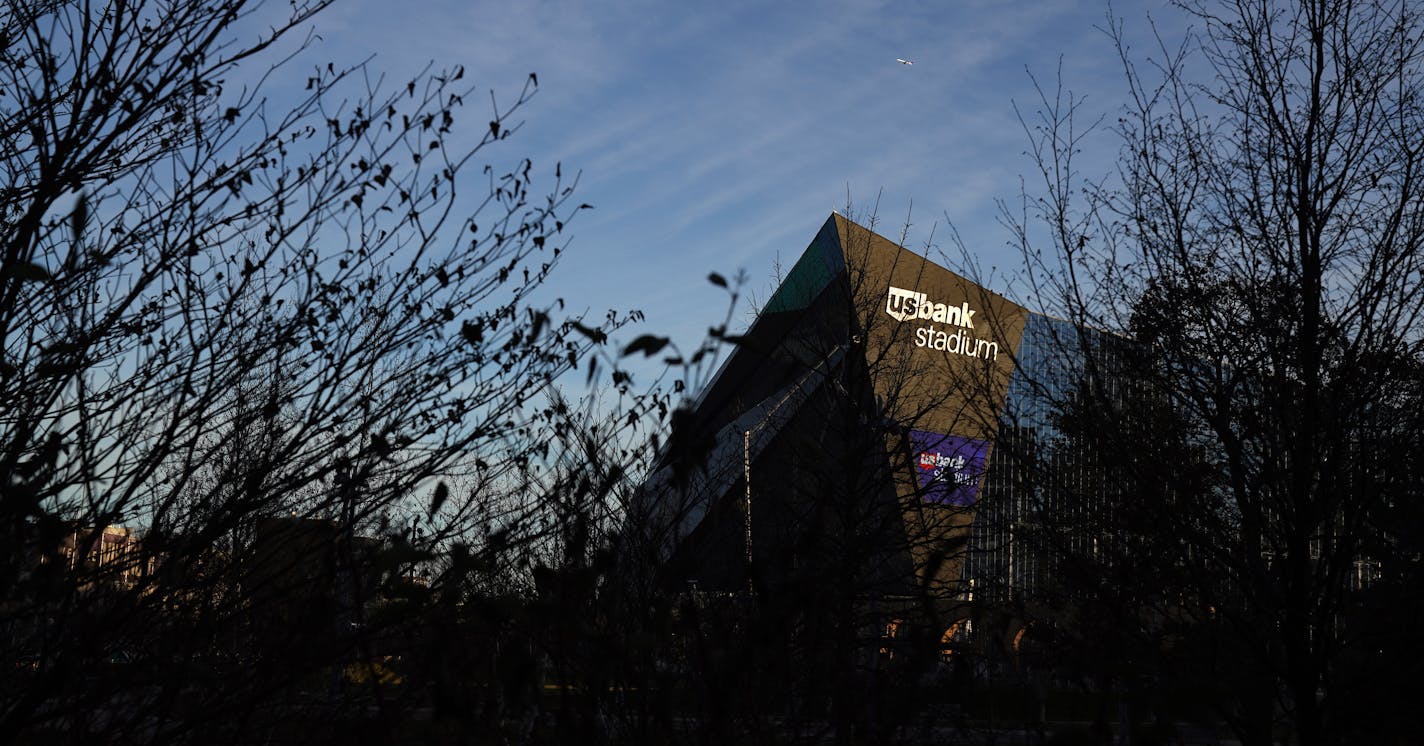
(717, 135)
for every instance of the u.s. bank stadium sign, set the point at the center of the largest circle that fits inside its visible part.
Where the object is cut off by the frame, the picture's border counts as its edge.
(912, 305)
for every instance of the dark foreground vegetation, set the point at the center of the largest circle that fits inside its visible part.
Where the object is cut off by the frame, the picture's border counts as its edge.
(283, 458)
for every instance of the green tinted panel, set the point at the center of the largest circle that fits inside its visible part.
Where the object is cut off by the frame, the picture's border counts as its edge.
(811, 274)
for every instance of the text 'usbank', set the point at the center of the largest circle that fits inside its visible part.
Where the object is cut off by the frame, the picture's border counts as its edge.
(903, 305)
(907, 305)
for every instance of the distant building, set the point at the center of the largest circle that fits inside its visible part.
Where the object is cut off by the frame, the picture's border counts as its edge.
(112, 556)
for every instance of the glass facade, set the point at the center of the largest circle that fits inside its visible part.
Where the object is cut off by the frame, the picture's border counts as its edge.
(1041, 486)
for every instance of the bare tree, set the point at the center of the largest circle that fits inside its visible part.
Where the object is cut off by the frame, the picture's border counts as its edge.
(168, 233)
(1262, 245)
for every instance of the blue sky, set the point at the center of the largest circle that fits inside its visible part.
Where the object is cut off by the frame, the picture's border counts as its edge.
(719, 136)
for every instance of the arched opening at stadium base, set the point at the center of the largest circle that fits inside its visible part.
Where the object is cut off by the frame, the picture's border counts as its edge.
(954, 637)
(1021, 640)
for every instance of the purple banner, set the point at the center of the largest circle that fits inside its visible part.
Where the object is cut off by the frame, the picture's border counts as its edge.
(948, 467)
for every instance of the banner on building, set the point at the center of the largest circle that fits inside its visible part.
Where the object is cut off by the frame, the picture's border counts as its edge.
(948, 467)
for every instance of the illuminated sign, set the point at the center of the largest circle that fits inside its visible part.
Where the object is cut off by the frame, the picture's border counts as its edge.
(905, 305)
(948, 467)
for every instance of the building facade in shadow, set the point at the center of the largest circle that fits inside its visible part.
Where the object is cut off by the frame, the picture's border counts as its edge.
(858, 465)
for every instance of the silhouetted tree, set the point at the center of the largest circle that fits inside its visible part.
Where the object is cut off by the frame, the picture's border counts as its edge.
(1261, 245)
(171, 232)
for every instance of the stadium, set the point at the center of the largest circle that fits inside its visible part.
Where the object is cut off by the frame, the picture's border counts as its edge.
(859, 449)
